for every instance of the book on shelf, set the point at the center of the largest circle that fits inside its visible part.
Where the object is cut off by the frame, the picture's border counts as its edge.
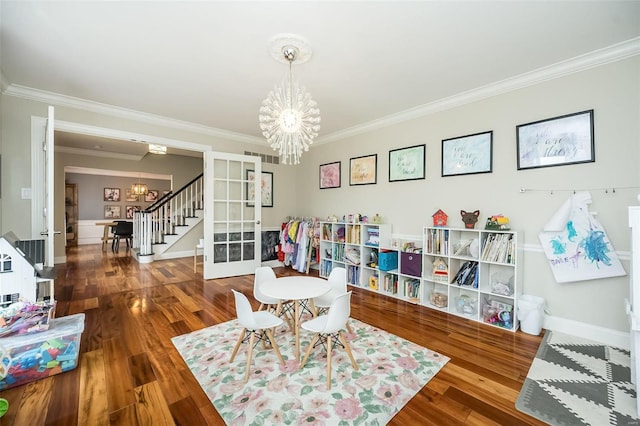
(499, 248)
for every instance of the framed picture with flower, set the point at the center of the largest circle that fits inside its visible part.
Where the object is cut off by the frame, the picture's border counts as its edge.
(330, 175)
(266, 188)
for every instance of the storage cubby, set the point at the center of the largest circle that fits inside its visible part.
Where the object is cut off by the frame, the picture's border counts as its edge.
(475, 271)
(389, 284)
(472, 273)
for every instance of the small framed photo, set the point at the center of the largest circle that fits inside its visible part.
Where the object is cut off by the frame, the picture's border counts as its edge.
(363, 170)
(330, 175)
(467, 155)
(112, 194)
(130, 196)
(558, 141)
(266, 188)
(130, 210)
(151, 196)
(112, 212)
(407, 163)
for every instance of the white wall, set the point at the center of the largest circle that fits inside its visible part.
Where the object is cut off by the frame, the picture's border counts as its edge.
(16, 158)
(613, 91)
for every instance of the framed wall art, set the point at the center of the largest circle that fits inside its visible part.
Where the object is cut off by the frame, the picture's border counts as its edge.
(266, 188)
(112, 212)
(131, 210)
(363, 170)
(467, 155)
(130, 196)
(407, 163)
(558, 141)
(112, 194)
(330, 175)
(151, 196)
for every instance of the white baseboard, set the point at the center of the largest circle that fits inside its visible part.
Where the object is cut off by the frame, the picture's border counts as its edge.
(619, 339)
(59, 259)
(174, 255)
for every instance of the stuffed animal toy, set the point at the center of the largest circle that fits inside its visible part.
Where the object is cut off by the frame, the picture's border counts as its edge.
(470, 219)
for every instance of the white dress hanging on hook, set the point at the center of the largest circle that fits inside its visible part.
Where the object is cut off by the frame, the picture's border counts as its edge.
(576, 244)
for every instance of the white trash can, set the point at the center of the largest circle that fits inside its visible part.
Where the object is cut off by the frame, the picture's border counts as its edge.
(531, 313)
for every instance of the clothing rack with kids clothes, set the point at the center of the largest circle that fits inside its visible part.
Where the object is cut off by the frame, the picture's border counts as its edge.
(299, 242)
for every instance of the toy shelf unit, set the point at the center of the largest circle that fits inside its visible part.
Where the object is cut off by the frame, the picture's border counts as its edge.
(473, 273)
(355, 247)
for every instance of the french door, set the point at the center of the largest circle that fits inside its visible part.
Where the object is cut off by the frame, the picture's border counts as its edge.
(42, 183)
(232, 214)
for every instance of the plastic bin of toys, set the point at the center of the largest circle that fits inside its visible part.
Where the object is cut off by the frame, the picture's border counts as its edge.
(28, 357)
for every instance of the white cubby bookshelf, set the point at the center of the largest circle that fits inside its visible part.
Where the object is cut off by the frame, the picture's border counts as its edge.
(360, 249)
(474, 273)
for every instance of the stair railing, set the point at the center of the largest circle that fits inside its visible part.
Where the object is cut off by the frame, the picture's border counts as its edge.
(161, 218)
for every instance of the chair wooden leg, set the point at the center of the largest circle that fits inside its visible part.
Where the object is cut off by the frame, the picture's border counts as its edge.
(274, 345)
(262, 306)
(313, 309)
(328, 362)
(309, 349)
(235, 349)
(249, 353)
(349, 329)
(348, 349)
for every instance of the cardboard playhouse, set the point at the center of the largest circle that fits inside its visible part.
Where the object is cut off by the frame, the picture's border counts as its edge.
(35, 352)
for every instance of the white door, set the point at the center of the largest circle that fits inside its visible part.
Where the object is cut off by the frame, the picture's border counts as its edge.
(48, 232)
(232, 214)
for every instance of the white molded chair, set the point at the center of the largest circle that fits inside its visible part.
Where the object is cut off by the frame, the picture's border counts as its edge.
(328, 329)
(264, 274)
(337, 279)
(256, 325)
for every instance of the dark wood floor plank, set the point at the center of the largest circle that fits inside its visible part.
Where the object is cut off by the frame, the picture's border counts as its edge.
(185, 412)
(131, 374)
(141, 369)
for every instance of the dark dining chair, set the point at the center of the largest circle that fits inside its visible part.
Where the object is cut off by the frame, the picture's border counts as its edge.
(124, 230)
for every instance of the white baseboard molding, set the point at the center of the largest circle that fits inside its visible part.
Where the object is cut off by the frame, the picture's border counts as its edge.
(619, 339)
(59, 259)
(89, 240)
(173, 255)
(273, 263)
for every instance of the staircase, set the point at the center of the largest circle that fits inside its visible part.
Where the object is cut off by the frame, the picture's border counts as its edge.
(165, 222)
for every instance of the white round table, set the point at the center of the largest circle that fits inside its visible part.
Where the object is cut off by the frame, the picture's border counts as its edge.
(296, 288)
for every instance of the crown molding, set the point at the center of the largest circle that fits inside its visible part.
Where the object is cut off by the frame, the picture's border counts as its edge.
(97, 153)
(580, 63)
(119, 173)
(100, 108)
(613, 53)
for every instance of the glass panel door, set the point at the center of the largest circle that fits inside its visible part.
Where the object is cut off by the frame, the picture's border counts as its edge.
(232, 215)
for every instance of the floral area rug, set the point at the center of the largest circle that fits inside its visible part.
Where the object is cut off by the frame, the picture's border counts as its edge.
(391, 371)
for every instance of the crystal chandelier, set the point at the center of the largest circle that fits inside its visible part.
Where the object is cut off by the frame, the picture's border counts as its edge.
(289, 118)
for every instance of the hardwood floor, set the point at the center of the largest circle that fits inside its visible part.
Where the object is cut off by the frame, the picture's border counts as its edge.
(129, 373)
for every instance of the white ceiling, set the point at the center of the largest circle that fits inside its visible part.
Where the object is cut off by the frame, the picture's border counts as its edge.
(208, 62)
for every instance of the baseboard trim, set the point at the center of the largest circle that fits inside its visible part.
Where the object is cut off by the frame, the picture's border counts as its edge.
(273, 263)
(619, 339)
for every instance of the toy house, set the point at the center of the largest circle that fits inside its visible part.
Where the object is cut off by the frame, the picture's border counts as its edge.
(20, 276)
(440, 271)
(439, 218)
